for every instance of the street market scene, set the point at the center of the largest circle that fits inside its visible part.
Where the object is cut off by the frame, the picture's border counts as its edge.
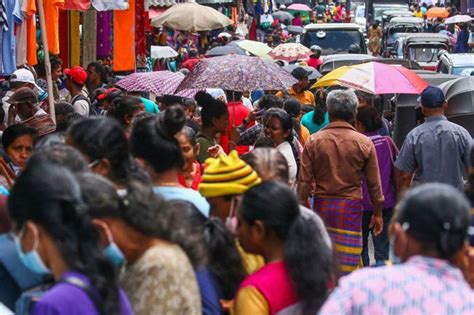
(241, 157)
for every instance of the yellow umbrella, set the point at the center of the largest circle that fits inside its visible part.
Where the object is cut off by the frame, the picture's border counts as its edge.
(331, 78)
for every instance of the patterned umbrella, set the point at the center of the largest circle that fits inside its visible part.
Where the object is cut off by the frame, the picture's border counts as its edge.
(158, 82)
(290, 52)
(237, 73)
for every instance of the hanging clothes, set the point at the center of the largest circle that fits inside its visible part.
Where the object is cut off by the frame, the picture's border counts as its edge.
(51, 14)
(106, 5)
(20, 35)
(31, 56)
(74, 38)
(89, 37)
(64, 38)
(140, 38)
(13, 16)
(79, 5)
(104, 34)
(124, 39)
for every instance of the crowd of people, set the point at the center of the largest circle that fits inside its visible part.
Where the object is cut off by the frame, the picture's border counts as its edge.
(260, 202)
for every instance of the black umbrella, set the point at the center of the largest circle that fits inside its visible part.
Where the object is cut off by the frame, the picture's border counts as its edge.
(314, 73)
(282, 15)
(225, 50)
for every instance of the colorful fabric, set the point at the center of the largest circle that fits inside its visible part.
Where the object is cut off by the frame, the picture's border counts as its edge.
(81, 5)
(422, 285)
(227, 175)
(141, 17)
(308, 122)
(64, 40)
(107, 5)
(104, 34)
(237, 113)
(343, 220)
(157, 82)
(273, 282)
(42, 123)
(51, 13)
(124, 36)
(196, 180)
(74, 39)
(31, 56)
(13, 15)
(89, 36)
(290, 52)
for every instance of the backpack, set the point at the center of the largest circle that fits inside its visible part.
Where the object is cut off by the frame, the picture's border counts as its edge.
(81, 97)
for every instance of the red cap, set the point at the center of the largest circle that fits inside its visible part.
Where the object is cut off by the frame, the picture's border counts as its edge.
(106, 93)
(77, 74)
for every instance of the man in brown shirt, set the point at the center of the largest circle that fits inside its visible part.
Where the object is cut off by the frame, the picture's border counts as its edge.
(335, 160)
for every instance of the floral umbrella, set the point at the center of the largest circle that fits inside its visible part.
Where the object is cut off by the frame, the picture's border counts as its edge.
(375, 78)
(237, 73)
(290, 52)
(158, 82)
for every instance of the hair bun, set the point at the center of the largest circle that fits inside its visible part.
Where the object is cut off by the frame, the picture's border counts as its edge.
(202, 98)
(171, 121)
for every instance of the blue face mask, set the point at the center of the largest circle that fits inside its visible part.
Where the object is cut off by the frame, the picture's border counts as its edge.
(32, 260)
(114, 254)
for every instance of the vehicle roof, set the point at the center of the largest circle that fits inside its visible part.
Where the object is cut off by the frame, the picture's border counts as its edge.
(426, 37)
(405, 19)
(460, 59)
(332, 26)
(402, 11)
(338, 57)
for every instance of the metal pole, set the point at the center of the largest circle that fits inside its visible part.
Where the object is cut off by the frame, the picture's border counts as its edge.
(47, 63)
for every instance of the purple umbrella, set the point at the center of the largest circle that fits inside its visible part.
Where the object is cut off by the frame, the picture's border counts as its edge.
(237, 73)
(158, 82)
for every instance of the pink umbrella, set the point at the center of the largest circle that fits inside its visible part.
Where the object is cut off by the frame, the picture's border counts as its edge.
(299, 7)
(158, 82)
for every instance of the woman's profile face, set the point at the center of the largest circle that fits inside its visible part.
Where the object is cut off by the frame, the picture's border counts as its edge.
(274, 130)
(20, 150)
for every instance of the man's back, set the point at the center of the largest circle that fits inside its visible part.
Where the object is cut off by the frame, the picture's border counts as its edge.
(436, 151)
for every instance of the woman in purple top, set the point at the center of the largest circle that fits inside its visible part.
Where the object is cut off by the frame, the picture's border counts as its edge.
(369, 122)
(55, 238)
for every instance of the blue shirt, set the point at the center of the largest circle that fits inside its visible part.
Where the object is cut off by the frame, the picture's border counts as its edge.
(436, 151)
(186, 194)
(313, 127)
(12, 10)
(150, 106)
(209, 292)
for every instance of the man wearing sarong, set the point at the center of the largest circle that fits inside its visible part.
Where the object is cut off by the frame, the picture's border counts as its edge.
(334, 161)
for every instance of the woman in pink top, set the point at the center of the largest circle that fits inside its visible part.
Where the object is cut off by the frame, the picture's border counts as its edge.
(297, 260)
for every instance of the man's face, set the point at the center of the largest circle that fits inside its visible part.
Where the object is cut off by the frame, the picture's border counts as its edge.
(56, 74)
(92, 73)
(303, 83)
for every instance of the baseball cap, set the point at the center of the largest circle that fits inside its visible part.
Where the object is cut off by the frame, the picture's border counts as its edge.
(109, 93)
(23, 95)
(300, 73)
(432, 97)
(77, 74)
(24, 76)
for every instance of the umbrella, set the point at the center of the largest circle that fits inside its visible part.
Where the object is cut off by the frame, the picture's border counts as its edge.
(437, 12)
(299, 7)
(163, 52)
(282, 15)
(290, 52)
(314, 73)
(158, 82)
(225, 50)
(460, 95)
(237, 73)
(295, 29)
(375, 78)
(192, 17)
(458, 19)
(255, 48)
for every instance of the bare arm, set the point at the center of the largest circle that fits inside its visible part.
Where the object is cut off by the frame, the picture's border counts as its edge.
(306, 176)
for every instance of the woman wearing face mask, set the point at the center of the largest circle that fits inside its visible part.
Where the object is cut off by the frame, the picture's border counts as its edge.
(190, 176)
(135, 233)
(154, 145)
(429, 233)
(55, 237)
(297, 259)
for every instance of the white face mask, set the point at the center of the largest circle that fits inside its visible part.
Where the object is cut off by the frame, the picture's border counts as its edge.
(231, 221)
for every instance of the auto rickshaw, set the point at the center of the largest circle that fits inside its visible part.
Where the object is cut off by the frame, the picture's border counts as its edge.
(399, 25)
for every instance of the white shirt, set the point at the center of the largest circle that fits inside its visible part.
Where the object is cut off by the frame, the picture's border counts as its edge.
(285, 149)
(247, 103)
(81, 107)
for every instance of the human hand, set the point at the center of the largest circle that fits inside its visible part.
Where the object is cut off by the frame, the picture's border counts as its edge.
(376, 222)
(234, 135)
(215, 151)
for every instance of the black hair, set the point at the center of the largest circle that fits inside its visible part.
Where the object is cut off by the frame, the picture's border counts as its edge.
(122, 107)
(193, 53)
(63, 108)
(369, 117)
(55, 62)
(61, 155)
(270, 101)
(190, 134)
(211, 108)
(423, 212)
(233, 96)
(15, 131)
(50, 196)
(306, 255)
(293, 108)
(470, 188)
(68, 120)
(99, 68)
(104, 138)
(320, 109)
(153, 139)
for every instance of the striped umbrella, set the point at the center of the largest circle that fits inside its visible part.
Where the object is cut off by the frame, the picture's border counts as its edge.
(290, 52)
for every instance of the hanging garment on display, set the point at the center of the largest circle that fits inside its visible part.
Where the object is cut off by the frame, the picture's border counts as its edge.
(80, 5)
(51, 14)
(13, 16)
(64, 38)
(74, 39)
(20, 36)
(124, 39)
(31, 49)
(140, 23)
(106, 5)
(89, 37)
(104, 34)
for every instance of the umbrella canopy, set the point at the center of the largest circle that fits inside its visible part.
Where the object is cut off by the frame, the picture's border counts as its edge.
(295, 29)
(314, 73)
(460, 95)
(192, 17)
(437, 12)
(255, 48)
(225, 50)
(158, 82)
(375, 78)
(237, 73)
(290, 52)
(458, 19)
(299, 7)
(162, 52)
(282, 15)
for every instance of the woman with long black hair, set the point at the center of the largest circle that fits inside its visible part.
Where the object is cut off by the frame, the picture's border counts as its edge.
(318, 118)
(297, 259)
(55, 237)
